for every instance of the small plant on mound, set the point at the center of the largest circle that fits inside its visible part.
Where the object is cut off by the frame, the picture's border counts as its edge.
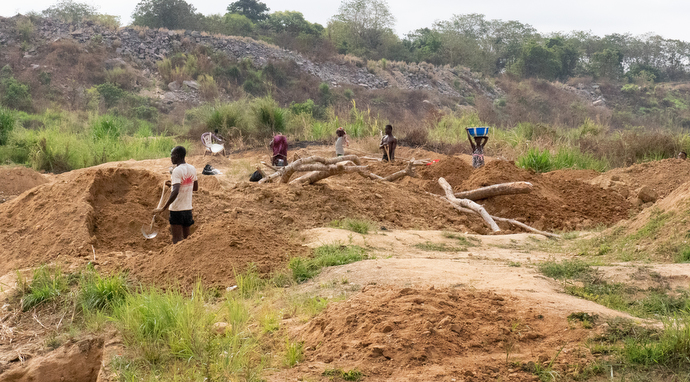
(47, 284)
(293, 352)
(566, 269)
(325, 256)
(355, 225)
(249, 282)
(438, 247)
(350, 375)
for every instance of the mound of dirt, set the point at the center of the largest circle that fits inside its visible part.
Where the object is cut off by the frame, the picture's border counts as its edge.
(662, 176)
(215, 253)
(406, 334)
(557, 202)
(17, 180)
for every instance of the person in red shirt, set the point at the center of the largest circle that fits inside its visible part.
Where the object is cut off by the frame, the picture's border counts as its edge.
(279, 145)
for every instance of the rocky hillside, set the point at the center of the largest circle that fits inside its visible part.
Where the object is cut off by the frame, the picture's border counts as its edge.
(146, 46)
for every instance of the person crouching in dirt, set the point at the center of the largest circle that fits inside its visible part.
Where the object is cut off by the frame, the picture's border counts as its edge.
(340, 142)
(388, 145)
(682, 155)
(279, 145)
(183, 181)
(477, 150)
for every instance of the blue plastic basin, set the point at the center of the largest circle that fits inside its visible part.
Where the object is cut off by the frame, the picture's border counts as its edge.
(478, 131)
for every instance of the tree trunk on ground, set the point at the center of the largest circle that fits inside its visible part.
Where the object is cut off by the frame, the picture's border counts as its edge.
(495, 190)
(409, 171)
(318, 172)
(468, 204)
(286, 172)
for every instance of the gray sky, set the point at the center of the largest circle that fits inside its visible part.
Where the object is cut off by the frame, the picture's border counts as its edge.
(665, 17)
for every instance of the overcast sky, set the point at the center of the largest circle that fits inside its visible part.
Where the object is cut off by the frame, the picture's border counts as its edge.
(665, 17)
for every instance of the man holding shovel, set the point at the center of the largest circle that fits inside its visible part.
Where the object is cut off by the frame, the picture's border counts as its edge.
(179, 202)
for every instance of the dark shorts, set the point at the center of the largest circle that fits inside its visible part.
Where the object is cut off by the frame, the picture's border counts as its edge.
(183, 218)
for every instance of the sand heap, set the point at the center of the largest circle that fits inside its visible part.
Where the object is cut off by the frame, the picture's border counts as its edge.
(396, 334)
(556, 203)
(16, 180)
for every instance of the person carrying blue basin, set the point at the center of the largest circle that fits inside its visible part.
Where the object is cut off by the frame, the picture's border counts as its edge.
(481, 136)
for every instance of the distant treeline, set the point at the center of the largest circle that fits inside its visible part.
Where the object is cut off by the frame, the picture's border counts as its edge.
(364, 28)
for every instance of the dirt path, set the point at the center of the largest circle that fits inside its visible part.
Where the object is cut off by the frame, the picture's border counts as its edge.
(497, 263)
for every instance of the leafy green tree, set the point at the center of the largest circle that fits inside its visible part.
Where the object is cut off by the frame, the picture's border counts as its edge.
(292, 23)
(237, 25)
(70, 11)
(567, 54)
(254, 10)
(537, 60)
(361, 26)
(424, 44)
(608, 64)
(171, 14)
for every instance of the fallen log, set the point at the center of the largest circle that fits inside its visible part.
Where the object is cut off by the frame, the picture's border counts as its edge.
(320, 173)
(497, 218)
(496, 190)
(468, 204)
(286, 172)
(409, 171)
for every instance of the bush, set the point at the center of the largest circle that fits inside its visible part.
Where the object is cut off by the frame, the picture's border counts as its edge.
(269, 117)
(25, 29)
(106, 127)
(7, 122)
(207, 87)
(111, 93)
(15, 94)
(121, 77)
(536, 160)
(101, 293)
(567, 269)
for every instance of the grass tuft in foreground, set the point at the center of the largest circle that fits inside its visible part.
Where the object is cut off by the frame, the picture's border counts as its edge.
(325, 256)
(355, 225)
(47, 284)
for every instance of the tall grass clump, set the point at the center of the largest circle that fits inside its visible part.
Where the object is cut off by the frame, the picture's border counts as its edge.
(451, 128)
(671, 349)
(566, 269)
(325, 256)
(536, 160)
(101, 293)
(7, 122)
(163, 325)
(269, 117)
(565, 158)
(47, 284)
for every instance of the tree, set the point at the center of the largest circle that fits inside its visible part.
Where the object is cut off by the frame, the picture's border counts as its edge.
(537, 60)
(171, 14)
(254, 10)
(361, 25)
(237, 25)
(292, 23)
(70, 11)
(608, 64)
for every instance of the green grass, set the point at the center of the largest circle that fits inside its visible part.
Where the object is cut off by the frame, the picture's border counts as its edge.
(355, 225)
(350, 375)
(249, 282)
(47, 284)
(565, 158)
(293, 352)
(566, 269)
(325, 256)
(591, 285)
(465, 241)
(438, 247)
(101, 293)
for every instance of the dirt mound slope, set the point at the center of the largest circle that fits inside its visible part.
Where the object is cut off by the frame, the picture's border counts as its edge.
(215, 253)
(662, 176)
(558, 202)
(436, 334)
(17, 180)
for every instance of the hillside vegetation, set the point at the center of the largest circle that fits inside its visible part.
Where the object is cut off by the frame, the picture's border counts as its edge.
(77, 89)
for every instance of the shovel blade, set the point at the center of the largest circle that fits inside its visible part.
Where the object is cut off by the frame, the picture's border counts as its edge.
(148, 235)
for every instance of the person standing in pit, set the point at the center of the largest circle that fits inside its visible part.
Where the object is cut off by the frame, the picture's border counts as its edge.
(279, 145)
(388, 145)
(183, 182)
(340, 142)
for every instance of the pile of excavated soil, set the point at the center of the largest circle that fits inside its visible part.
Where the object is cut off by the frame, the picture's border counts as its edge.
(17, 180)
(216, 253)
(557, 202)
(99, 212)
(662, 176)
(437, 334)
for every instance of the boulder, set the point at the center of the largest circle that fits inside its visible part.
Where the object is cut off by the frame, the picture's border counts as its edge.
(174, 86)
(191, 84)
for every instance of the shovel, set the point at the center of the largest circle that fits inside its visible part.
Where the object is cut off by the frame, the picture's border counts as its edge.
(148, 232)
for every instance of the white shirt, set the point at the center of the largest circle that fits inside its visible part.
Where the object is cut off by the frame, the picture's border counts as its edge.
(185, 176)
(339, 145)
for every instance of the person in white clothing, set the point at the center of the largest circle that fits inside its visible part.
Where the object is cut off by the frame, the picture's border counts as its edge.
(340, 142)
(183, 181)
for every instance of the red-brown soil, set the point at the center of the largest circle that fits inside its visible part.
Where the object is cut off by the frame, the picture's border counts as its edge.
(409, 334)
(662, 176)
(16, 180)
(558, 201)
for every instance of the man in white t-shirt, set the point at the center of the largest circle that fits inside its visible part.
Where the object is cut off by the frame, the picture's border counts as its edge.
(183, 182)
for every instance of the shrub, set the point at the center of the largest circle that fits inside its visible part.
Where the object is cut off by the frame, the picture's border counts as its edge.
(207, 87)
(45, 78)
(106, 127)
(325, 94)
(15, 94)
(536, 160)
(7, 122)
(269, 117)
(25, 29)
(567, 269)
(121, 77)
(111, 93)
